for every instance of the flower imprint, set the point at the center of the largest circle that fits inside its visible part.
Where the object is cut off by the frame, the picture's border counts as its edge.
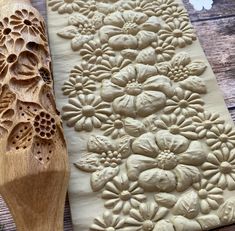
(177, 125)
(161, 6)
(178, 34)
(6, 32)
(64, 6)
(114, 126)
(210, 196)
(144, 6)
(86, 112)
(122, 195)
(103, 152)
(83, 70)
(26, 22)
(205, 121)
(181, 67)
(145, 218)
(135, 90)
(78, 85)
(103, 159)
(165, 162)
(108, 222)
(220, 168)
(157, 52)
(107, 68)
(221, 136)
(80, 30)
(129, 29)
(175, 13)
(94, 52)
(183, 102)
(88, 8)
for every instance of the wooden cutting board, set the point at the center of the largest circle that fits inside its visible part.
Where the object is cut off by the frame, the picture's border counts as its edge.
(151, 142)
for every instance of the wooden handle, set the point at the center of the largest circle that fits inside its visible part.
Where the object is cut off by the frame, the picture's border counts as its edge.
(34, 168)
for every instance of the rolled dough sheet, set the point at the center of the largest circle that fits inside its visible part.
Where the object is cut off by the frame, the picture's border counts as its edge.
(151, 143)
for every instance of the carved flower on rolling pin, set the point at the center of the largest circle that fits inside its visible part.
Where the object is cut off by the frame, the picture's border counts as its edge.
(183, 102)
(181, 67)
(108, 222)
(103, 159)
(220, 168)
(6, 121)
(136, 90)
(8, 55)
(146, 218)
(122, 195)
(178, 34)
(86, 112)
(6, 32)
(80, 30)
(157, 52)
(64, 6)
(210, 196)
(177, 125)
(78, 85)
(129, 29)
(94, 52)
(29, 66)
(26, 23)
(165, 162)
(221, 136)
(205, 121)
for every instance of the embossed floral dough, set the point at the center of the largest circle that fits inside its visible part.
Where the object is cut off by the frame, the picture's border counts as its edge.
(151, 142)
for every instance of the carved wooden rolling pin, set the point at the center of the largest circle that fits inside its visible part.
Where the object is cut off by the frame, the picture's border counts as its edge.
(33, 160)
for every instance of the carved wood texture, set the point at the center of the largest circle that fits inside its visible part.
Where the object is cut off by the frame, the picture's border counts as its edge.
(34, 169)
(156, 147)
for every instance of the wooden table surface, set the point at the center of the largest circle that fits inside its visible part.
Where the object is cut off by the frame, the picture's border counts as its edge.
(216, 32)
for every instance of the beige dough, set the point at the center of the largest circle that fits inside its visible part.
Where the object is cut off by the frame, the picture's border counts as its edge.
(150, 140)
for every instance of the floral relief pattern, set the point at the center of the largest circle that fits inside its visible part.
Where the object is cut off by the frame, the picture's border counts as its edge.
(159, 157)
(165, 162)
(78, 85)
(145, 218)
(210, 196)
(122, 195)
(135, 90)
(178, 34)
(185, 103)
(64, 6)
(86, 112)
(129, 29)
(220, 168)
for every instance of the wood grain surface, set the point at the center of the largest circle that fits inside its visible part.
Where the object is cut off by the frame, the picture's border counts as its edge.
(216, 32)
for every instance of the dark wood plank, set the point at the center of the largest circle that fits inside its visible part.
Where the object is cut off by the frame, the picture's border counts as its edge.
(218, 41)
(220, 9)
(40, 5)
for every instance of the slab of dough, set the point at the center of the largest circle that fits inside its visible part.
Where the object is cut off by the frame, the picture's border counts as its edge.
(151, 142)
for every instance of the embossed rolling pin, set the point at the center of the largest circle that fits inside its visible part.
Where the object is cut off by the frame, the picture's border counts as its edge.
(34, 168)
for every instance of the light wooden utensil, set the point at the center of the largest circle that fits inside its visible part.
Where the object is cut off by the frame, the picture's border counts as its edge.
(34, 169)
